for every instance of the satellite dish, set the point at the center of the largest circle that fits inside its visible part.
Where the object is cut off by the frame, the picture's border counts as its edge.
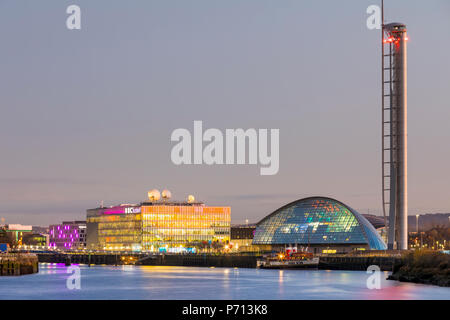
(154, 195)
(191, 198)
(166, 194)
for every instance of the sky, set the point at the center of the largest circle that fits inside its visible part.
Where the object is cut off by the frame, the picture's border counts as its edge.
(86, 115)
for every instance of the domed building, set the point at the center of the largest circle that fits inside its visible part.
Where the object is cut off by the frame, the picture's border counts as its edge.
(324, 225)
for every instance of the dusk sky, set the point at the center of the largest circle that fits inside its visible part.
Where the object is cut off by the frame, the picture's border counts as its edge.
(87, 115)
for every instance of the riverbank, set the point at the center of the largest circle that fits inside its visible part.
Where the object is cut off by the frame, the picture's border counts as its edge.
(357, 263)
(17, 264)
(423, 267)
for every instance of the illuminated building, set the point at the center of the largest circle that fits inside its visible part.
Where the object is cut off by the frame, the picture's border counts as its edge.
(36, 239)
(69, 235)
(242, 237)
(159, 226)
(323, 225)
(16, 233)
(184, 224)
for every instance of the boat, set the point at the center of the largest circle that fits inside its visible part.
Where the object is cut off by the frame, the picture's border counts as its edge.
(288, 260)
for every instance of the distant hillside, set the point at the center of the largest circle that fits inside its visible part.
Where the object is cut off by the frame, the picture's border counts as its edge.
(426, 221)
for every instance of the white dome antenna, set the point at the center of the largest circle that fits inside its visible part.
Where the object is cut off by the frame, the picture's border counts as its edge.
(154, 195)
(166, 194)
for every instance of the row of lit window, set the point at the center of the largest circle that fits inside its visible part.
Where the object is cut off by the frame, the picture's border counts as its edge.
(185, 209)
(120, 225)
(186, 225)
(120, 239)
(189, 217)
(187, 213)
(181, 231)
(118, 232)
(114, 218)
(184, 239)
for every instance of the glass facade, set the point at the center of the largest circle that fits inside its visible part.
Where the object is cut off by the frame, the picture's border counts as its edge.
(185, 225)
(317, 221)
(150, 226)
(115, 228)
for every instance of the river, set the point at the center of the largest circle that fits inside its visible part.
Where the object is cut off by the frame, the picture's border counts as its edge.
(154, 282)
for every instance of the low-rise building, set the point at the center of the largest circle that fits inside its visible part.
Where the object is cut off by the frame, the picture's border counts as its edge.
(242, 237)
(69, 235)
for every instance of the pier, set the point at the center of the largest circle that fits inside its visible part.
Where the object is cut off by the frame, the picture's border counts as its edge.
(385, 262)
(90, 258)
(192, 260)
(201, 260)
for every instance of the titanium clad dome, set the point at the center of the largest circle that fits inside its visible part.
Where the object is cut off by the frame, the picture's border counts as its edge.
(317, 221)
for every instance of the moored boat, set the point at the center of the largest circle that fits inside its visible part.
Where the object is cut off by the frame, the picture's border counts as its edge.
(296, 260)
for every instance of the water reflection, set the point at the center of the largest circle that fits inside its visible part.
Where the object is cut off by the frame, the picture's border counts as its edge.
(280, 276)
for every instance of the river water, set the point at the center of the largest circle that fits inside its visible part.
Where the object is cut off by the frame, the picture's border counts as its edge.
(154, 282)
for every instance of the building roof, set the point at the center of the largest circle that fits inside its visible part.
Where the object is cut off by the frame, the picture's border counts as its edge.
(150, 203)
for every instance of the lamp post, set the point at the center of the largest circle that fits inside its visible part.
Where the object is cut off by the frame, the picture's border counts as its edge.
(417, 228)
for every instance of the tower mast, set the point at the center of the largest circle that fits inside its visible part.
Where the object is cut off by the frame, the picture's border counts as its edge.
(394, 134)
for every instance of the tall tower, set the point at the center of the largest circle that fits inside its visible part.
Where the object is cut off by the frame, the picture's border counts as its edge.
(394, 140)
